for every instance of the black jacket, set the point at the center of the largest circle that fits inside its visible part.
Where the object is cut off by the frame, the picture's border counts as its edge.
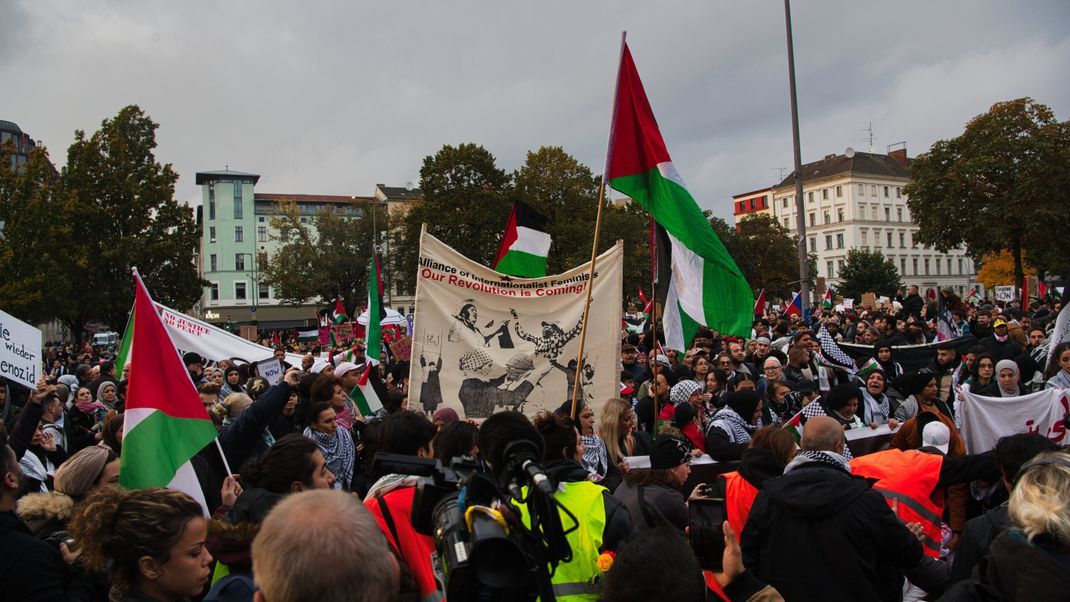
(1015, 569)
(818, 533)
(1007, 350)
(912, 305)
(31, 569)
(978, 534)
(244, 438)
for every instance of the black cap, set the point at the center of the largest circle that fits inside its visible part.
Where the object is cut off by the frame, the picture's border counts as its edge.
(668, 453)
(192, 357)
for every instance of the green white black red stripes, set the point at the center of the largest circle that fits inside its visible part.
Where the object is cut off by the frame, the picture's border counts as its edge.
(706, 287)
(365, 395)
(524, 245)
(165, 423)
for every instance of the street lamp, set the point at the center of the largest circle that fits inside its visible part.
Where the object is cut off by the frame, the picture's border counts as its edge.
(255, 289)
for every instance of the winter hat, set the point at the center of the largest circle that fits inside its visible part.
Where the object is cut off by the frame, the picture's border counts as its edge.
(683, 390)
(683, 415)
(446, 415)
(668, 452)
(80, 472)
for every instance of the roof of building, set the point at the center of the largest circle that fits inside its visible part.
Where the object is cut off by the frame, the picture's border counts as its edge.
(869, 164)
(10, 126)
(312, 198)
(399, 193)
(752, 193)
(224, 174)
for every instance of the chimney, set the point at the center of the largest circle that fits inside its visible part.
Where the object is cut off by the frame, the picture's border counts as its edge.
(899, 154)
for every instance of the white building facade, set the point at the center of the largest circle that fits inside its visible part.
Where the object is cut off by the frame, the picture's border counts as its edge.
(857, 202)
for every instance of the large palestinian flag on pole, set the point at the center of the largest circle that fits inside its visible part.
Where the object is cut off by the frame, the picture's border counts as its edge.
(373, 343)
(524, 245)
(166, 424)
(706, 287)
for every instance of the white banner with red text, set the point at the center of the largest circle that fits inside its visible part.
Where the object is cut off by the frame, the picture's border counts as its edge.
(986, 419)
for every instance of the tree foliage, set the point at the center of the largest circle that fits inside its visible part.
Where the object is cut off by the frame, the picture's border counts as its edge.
(995, 186)
(464, 205)
(867, 271)
(998, 269)
(325, 259)
(765, 253)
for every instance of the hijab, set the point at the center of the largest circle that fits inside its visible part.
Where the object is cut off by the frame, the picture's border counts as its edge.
(1002, 365)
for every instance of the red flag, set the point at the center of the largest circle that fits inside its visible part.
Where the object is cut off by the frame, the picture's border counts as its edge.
(759, 304)
(1042, 289)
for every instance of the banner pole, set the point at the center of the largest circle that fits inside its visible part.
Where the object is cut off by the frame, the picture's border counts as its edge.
(587, 300)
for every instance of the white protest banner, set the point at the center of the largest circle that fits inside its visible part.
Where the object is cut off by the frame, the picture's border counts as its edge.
(270, 370)
(190, 334)
(484, 341)
(849, 303)
(986, 419)
(1004, 293)
(20, 351)
(1060, 334)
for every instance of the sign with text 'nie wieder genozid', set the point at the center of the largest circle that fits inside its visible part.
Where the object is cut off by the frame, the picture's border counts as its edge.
(20, 351)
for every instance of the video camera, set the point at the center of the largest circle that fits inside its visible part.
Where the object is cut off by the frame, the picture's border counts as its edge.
(483, 549)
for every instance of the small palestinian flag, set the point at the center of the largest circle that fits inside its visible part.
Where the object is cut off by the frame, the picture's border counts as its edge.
(308, 336)
(827, 301)
(868, 368)
(795, 426)
(365, 395)
(972, 296)
(339, 314)
(759, 304)
(525, 245)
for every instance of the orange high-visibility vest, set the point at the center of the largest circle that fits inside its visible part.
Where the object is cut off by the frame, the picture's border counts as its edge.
(910, 478)
(738, 498)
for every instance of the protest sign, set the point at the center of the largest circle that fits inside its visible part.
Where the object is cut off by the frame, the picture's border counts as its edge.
(190, 334)
(401, 349)
(343, 332)
(1004, 293)
(324, 338)
(485, 342)
(848, 303)
(869, 300)
(20, 351)
(271, 370)
(986, 419)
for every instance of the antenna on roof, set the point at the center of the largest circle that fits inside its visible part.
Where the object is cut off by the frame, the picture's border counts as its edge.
(781, 171)
(226, 167)
(869, 137)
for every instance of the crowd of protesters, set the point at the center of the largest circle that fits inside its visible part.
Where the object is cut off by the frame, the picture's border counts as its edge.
(308, 514)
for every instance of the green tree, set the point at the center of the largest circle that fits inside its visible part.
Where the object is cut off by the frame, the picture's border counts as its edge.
(765, 253)
(35, 240)
(325, 259)
(465, 205)
(995, 186)
(124, 214)
(867, 271)
(566, 192)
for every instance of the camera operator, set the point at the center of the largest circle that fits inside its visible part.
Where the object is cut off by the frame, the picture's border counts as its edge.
(390, 499)
(604, 524)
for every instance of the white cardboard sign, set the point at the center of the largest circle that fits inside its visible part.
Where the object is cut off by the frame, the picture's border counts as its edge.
(20, 351)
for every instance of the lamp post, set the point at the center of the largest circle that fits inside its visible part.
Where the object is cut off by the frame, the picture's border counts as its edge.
(255, 288)
(804, 265)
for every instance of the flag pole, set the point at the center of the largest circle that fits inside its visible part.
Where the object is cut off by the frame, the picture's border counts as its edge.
(226, 465)
(594, 244)
(654, 320)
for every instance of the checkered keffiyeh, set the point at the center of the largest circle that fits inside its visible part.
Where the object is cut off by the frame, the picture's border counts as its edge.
(831, 354)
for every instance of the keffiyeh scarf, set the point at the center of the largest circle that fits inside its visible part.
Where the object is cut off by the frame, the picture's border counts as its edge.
(338, 453)
(729, 421)
(877, 410)
(595, 458)
(821, 457)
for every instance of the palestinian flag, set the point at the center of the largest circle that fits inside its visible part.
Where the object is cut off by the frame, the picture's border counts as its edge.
(166, 424)
(365, 395)
(868, 368)
(307, 336)
(795, 427)
(759, 304)
(632, 328)
(339, 314)
(376, 312)
(124, 345)
(827, 301)
(972, 296)
(525, 245)
(706, 287)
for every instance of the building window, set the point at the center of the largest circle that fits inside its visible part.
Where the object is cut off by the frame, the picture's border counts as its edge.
(261, 219)
(926, 266)
(839, 265)
(839, 241)
(899, 213)
(902, 266)
(239, 234)
(284, 235)
(902, 241)
(211, 233)
(828, 268)
(937, 266)
(898, 192)
(839, 191)
(824, 194)
(865, 238)
(915, 265)
(890, 245)
(826, 216)
(810, 197)
(828, 241)
(785, 224)
(212, 265)
(261, 233)
(239, 291)
(839, 215)
(887, 214)
(211, 200)
(237, 201)
(785, 204)
(948, 266)
(861, 190)
(960, 267)
(811, 220)
(813, 245)
(239, 261)
(213, 291)
(263, 291)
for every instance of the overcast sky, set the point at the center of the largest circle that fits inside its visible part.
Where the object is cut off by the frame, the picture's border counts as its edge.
(332, 97)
